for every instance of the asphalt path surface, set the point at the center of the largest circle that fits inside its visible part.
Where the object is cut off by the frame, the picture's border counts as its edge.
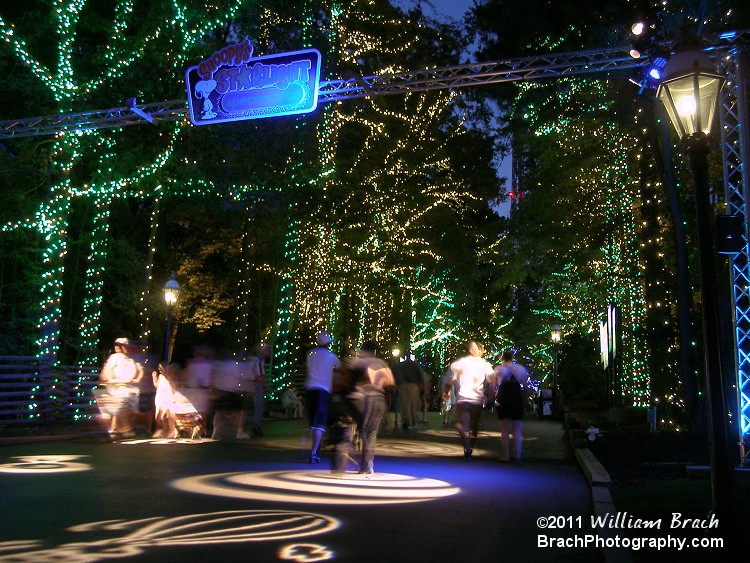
(90, 499)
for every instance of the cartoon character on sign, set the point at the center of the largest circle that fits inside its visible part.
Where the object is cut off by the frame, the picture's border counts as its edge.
(203, 90)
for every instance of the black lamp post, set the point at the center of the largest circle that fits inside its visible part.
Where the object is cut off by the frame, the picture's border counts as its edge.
(555, 334)
(690, 92)
(171, 293)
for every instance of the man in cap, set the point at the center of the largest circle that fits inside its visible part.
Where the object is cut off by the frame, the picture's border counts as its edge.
(321, 363)
(120, 374)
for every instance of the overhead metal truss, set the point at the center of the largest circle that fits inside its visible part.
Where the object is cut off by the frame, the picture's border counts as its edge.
(728, 50)
(176, 110)
(554, 65)
(735, 144)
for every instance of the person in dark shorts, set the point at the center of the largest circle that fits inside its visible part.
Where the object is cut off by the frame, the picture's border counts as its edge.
(321, 365)
(512, 379)
(470, 374)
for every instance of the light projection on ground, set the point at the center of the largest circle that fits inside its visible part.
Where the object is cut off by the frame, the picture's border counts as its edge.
(389, 447)
(196, 529)
(305, 552)
(318, 487)
(410, 448)
(45, 464)
(482, 434)
(159, 441)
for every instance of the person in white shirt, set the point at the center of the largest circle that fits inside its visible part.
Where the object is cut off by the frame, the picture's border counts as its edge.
(470, 374)
(165, 381)
(321, 363)
(121, 375)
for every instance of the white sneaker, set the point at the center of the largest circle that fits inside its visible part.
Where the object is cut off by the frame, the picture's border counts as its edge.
(242, 436)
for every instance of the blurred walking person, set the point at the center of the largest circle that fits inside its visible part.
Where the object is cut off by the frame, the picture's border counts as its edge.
(121, 375)
(368, 399)
(254, 389)
(199, 374)
(165, 380)
(470, 374)
(409, 377)
(226, 396)
(512, 379)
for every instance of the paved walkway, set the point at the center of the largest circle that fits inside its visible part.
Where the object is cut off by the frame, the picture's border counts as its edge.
(257, 500)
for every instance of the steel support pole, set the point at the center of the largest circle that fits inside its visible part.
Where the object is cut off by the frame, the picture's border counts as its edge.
(722, 472)
(166, 339)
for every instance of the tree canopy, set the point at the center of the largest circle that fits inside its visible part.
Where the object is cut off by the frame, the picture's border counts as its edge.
(599, 220)
(367, 218)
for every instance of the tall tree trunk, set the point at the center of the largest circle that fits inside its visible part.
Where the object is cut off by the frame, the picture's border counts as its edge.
(663, 158)
(243, 298)
(143, 332)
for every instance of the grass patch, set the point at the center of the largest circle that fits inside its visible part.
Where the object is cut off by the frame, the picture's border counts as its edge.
(691, 497)
(658, 499)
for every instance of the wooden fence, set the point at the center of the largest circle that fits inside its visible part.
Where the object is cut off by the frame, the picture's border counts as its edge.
(35, 392)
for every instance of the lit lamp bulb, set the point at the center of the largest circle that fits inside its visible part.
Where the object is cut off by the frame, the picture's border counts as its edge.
(686, 106)
(690, 92)
(556, 333)
(171, 291)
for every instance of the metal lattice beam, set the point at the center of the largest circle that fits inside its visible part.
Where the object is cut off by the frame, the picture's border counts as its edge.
(554, 65)
(735, 152)
(98, 119)
(458, 76)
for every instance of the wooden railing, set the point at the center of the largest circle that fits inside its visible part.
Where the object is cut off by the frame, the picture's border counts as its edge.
(32, 391)
(35, 392)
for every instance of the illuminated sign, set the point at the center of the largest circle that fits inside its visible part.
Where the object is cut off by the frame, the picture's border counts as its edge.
(232, 85)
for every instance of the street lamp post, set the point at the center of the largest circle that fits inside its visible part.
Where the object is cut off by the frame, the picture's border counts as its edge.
(690, 92)
(171, 293)
(555, 333)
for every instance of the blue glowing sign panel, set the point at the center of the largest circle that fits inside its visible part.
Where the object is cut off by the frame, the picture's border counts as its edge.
(231, 85)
